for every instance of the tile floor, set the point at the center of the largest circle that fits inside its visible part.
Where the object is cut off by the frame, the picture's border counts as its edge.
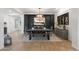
(19, 43)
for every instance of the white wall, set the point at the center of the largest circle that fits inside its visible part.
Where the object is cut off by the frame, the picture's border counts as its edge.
(10, 23)
(2, 14)
(22, 23)
(73, 18)
(1, 33)
(78, 31)
(11, 19)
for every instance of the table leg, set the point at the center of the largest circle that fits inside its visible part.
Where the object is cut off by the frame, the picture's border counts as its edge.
(48, 36)
(30, 36)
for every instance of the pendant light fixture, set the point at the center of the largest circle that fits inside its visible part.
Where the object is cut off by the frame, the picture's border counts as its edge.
(39, 16)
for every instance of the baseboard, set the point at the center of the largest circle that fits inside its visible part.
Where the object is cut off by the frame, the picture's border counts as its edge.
(75, 47)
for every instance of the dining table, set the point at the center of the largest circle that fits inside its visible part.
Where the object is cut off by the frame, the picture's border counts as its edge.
(43, 32)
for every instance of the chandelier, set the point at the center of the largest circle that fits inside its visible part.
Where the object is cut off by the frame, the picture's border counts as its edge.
(39, 16)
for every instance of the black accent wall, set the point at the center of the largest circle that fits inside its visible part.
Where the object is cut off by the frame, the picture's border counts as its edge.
(29, 21)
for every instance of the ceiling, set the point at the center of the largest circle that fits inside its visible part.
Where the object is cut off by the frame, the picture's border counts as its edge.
(21, 11)
(36, 10)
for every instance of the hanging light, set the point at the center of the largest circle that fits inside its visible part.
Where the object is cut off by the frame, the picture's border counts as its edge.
(39, 16)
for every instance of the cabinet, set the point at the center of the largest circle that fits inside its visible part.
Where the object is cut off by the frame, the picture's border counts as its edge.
(61, 33)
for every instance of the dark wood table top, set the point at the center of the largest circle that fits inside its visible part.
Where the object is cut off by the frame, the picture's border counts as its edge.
(48, 30)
